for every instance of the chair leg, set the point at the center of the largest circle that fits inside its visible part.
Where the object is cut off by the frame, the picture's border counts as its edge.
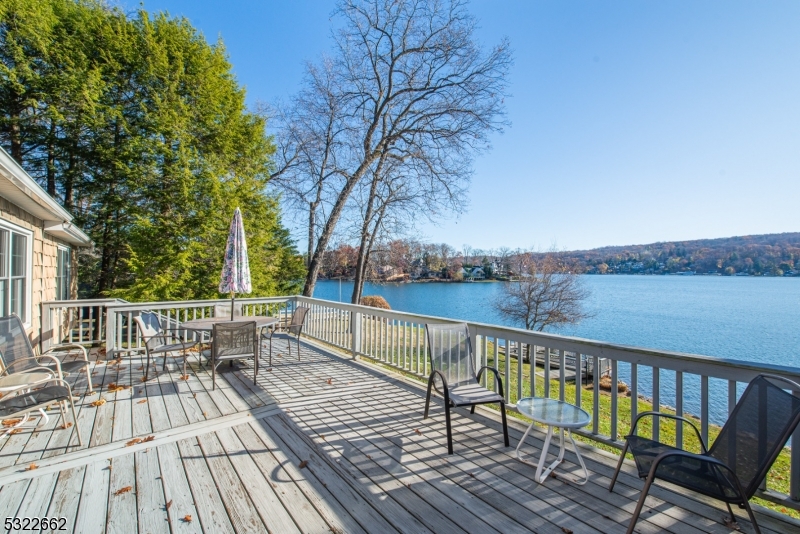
(75, 420)
(270, 351)
(472, 409)
(213, 376)
(428, 398)
(751, 515)
(184, 362)
(147, 366)
(640, 504)
(505, 422)
(298, 347)
(89, 379)
(449, 430)
(619, 466)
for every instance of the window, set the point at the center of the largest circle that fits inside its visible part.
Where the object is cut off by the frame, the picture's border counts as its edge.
(14, 284)
(63, 274)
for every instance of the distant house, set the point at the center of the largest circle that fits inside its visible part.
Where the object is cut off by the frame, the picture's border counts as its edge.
(37, 247)
(478, 274)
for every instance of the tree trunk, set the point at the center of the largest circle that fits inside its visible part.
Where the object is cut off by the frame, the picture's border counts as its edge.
(51, 160)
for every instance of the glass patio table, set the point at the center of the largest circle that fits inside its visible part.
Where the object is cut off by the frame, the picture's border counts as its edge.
(555, 414)
(206, 324)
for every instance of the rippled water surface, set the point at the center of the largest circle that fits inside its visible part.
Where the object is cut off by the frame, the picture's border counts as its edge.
(743, 318)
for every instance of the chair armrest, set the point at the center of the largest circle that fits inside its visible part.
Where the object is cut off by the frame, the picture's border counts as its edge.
(669, 416)
(68, 347)
(496, 376)
(37, 359)
(431, 381)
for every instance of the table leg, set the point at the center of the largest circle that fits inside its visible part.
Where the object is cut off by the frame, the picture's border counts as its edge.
(580, 460)
(539, 477)
(522, 440)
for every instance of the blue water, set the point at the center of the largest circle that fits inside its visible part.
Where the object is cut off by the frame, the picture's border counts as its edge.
(744, 318)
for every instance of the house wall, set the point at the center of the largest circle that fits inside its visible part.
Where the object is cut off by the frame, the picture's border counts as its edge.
(43, 263)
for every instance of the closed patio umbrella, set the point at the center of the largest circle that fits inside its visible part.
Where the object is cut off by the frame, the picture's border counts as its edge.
(236, 268)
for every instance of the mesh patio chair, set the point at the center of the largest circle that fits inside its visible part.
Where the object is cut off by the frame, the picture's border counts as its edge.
(18, 354)
(294, 326)
(38, 399)
(158, 340)
(453, 365)
(224, 310)
(742, 454)
(233, 341)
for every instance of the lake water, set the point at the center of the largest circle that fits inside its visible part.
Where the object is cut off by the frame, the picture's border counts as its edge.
(745, 318)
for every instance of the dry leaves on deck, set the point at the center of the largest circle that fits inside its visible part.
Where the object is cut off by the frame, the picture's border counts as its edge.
(134, 441)
(66, 426)
(98, 402)
(417, 431)
(148, 438)
(302, 464)
(330, 381)
(11, 422)
(731, 524)
(169, 504)
(126, 489)
(187, 518)
(184, 377)
(31, 467)
(566, 530)
(114, 387)
(142, 401)
(15, 431)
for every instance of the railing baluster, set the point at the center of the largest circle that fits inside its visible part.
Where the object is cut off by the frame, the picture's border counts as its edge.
(547, 371)
(562, 375)
(508, 370)
(596, 400)
(679, 408)
(731, 395)
(704, 408)
(656, 401)
(520, 378)
(578, 378)
(614, 400)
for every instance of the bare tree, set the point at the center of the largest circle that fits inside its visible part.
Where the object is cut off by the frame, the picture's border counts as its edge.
(548, 294)
(412, 86)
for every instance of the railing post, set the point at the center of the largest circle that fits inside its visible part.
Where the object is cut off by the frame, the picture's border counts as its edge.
(46, 333)
(355, 331)
(111, 332)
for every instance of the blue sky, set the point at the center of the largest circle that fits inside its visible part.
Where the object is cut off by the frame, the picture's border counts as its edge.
(632, 122)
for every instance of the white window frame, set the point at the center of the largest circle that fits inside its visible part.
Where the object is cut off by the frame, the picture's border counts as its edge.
(63, 248)
(11, 227)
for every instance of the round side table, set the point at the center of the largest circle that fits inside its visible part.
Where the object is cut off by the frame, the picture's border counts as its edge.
(555, 414)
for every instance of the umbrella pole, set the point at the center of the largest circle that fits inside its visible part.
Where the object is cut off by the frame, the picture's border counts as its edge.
(233, 296)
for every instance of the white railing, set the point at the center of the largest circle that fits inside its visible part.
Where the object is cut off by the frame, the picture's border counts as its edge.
(567, 368)
(700, 386)
(74, 321)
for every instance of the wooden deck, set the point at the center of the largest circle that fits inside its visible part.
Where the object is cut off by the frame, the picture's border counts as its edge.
(320, 445)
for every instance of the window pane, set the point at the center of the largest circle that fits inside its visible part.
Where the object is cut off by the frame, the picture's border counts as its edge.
(18, 250)
(18, 297)
(3, 298)
(3, 253)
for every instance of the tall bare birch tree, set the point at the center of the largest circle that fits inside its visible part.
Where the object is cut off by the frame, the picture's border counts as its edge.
(410, 82)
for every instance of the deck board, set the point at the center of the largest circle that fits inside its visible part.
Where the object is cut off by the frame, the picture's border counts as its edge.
(324, 444)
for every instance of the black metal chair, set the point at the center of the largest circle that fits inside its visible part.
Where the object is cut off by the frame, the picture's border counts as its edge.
(742, 454)
(233, 341)
(294, 326)
(18, 354)
(158, 340)
(452, 363)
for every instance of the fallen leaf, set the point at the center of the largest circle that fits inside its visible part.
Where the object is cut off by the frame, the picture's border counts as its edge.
(566, 530)
(31, 467)
(187, 518)
(731, 523)
(472, 475)
(94, 373)
(205, 414)
(97, 386)
(98, 402)
(194, 395)
(169, 504)
(143, 379)
(142, 401)
(417, 431)
(116, 388)
(302, 464)
(11, 422)
(148, 438)
(66, 426)
(126, 489)
(140, 368)
(185, 377)
(15, 431)
(133, 442)
(322, 436)
(330, 381)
